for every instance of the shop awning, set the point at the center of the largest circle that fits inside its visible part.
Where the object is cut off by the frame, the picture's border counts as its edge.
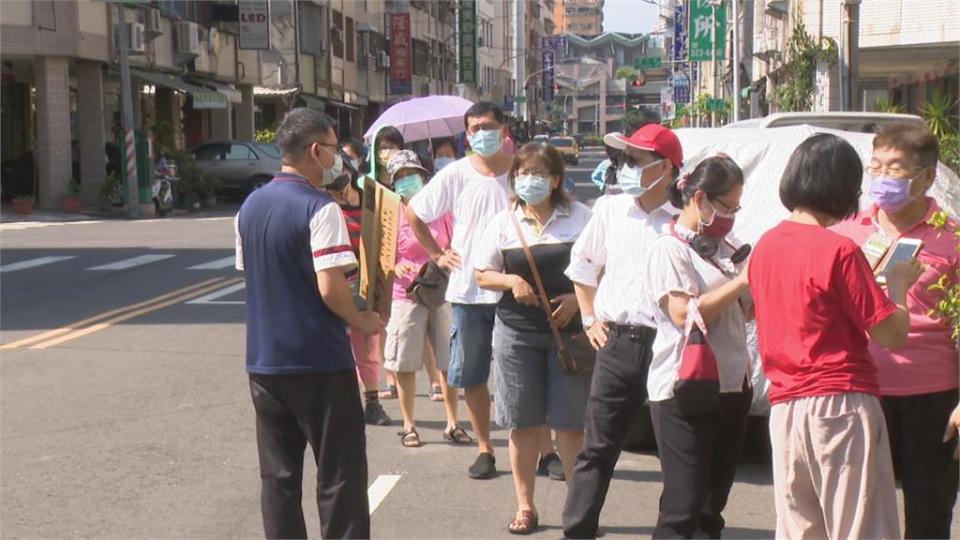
(273, 92)
(203, 98)
(233, 95)
(313, 102)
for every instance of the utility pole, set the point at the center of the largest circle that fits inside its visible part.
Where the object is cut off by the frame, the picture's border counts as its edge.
(133, 187)
(736, 60)
(713, 59)
(851, 10)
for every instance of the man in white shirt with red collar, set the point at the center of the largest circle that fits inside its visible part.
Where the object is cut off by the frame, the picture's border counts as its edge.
(607, 270)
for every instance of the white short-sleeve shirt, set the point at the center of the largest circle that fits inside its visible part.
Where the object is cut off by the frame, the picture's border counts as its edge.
(673, 266)
(614, 245)
(474, 199)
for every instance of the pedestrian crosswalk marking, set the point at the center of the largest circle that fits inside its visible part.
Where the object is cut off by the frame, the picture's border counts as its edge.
(218, 264)
(212, 297)
(33, 263)
(132, 262)
(380, 488)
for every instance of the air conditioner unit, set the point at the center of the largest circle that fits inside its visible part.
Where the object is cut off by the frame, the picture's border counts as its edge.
(371, 61)
(136, 40)
(188, 38)
(383, 59)
(152, 25)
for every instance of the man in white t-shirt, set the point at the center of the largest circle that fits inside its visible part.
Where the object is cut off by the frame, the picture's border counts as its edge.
(474, 189)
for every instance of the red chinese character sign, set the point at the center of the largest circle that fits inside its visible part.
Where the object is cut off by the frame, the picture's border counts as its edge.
(401, 61)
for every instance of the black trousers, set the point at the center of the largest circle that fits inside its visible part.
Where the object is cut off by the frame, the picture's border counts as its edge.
(324, 410)
(923, 463)
(617, 390)
(698, 457)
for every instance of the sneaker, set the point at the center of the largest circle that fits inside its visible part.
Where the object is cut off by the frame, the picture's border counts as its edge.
(550, 465)
(375, 415)
(484, 467)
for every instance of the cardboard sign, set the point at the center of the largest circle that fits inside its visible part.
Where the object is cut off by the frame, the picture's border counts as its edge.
(378, 245)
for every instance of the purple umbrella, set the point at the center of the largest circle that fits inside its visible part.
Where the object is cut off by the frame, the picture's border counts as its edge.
(424, 118)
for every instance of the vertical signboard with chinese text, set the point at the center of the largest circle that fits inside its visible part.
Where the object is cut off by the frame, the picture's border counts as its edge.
(548, 75)
(702, 38)
(468, 41)
(401, 59)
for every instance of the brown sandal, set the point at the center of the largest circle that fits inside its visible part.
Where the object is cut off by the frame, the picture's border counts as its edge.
(410, 438)
(526, 522)
(457, 435)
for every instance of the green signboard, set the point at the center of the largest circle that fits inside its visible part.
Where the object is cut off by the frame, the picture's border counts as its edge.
(649, 62)
(468, 41)
(701, 36)
(716, 105)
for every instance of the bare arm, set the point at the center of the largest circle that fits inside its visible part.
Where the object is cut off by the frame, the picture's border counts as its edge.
(597, 332)
(447, 259)
(711, 304)
(892, 331)
(335, 292)
(422, 232)
(498, 281)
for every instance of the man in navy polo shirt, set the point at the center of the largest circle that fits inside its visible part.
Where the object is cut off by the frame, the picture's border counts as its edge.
(293, 246)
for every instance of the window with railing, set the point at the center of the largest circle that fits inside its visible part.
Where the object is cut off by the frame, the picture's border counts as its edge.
(421, 58)
(310, 17)
(336, 34)
(350, 37)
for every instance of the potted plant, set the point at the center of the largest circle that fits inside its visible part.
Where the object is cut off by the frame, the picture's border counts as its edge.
(71, 202)
(22, 204)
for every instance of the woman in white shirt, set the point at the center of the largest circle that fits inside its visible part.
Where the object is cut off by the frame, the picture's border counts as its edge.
(698, 276)
(531, 388)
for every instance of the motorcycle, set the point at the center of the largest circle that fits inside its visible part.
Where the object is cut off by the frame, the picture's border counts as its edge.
(165, 174)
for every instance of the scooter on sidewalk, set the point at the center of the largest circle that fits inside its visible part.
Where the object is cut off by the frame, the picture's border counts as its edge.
(165, 174)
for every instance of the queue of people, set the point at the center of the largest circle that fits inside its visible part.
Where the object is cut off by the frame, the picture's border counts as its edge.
(864, 379)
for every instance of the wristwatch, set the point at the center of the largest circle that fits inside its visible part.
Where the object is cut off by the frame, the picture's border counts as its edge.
(588, 321)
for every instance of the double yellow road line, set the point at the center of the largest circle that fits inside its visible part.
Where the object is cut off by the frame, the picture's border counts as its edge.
(107, 319)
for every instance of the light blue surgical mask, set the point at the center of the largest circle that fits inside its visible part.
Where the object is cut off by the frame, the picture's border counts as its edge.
(629, 179)
(531, 189)
(486, 142)
(442, 162)
(355, 163)
(408, 186)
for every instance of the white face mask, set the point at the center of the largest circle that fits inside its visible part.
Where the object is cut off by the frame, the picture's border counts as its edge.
(630, 179)
(335, 170)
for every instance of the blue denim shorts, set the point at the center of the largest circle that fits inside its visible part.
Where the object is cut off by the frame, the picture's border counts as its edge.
(531, 388)
(471, 344)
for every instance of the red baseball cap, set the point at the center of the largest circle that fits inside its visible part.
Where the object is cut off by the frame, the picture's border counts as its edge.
(653, 138)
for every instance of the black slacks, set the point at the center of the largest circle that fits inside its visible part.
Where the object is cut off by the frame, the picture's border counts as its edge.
(617, 390)
(923, 463)
(324, 410)
(698, 457)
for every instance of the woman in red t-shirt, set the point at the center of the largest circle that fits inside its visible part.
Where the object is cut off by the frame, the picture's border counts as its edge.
(816, 300)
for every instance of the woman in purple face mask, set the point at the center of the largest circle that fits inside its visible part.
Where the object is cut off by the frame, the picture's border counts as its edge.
(697, 276)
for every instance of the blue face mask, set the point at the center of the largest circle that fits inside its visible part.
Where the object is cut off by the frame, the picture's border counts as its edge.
(408, 186)
(630, 179)
(442, 162)
(486, 142)
(355, 163)
(531, 189)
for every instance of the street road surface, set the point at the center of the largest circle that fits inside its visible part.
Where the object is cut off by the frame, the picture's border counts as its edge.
(125, 410)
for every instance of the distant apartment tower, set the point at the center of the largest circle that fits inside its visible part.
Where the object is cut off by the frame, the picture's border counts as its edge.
(583, 17)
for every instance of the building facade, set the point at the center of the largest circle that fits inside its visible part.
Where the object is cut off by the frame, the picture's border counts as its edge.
(583, 17)
(591, 99)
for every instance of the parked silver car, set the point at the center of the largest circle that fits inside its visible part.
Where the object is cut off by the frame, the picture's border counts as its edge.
(240, 166)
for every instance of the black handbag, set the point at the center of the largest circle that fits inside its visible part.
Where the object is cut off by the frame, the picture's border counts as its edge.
(429, 288)
(576, 353)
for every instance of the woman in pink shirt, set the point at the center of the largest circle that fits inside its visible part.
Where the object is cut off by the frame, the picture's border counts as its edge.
(416, 330)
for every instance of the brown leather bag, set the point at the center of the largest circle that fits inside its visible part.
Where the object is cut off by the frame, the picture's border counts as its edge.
(577, 356)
